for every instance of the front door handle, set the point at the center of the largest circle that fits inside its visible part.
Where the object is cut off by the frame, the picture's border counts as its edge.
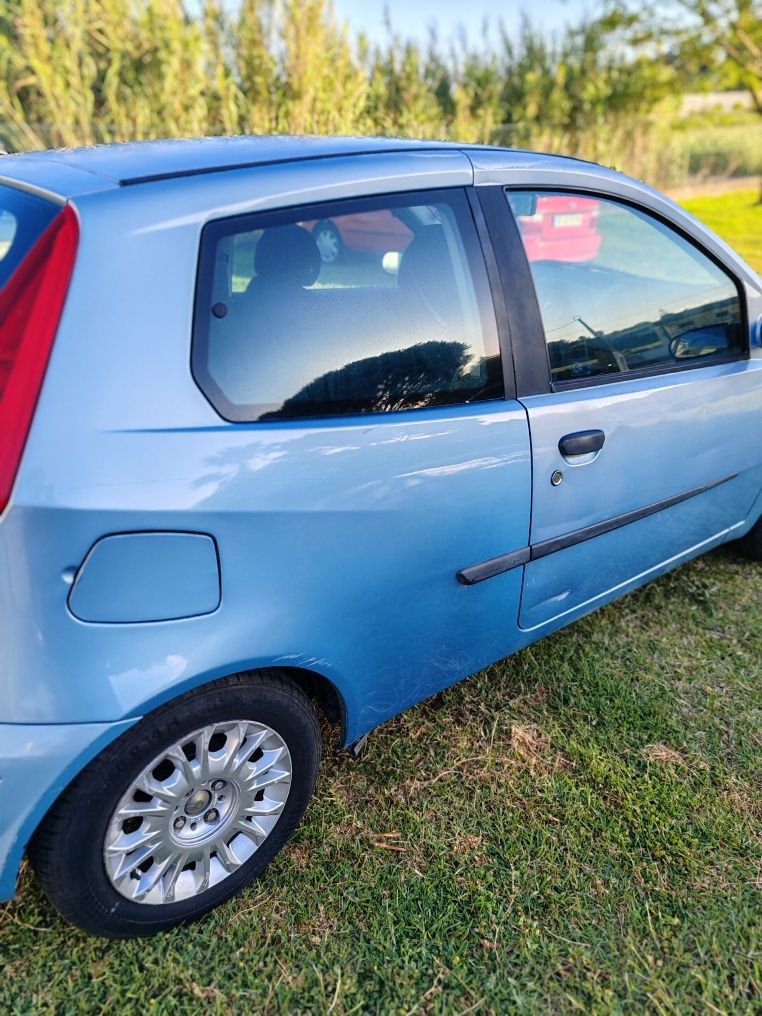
(584, 442)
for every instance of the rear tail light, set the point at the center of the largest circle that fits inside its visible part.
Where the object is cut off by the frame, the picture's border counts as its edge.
(30, 309)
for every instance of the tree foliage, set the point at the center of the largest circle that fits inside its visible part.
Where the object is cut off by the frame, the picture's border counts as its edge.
(727, 32)
(714, 43)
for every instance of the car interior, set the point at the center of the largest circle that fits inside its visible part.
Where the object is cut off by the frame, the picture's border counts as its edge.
(393, 342)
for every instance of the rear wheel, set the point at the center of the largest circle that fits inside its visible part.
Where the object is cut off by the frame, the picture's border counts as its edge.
(183, 810)
(751, 544)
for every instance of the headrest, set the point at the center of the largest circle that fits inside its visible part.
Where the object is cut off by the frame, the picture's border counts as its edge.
(287, 255)
(426, 264)
(426, 270)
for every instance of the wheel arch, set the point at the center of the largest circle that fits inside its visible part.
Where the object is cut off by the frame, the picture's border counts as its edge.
(324, 692)
(318, 688)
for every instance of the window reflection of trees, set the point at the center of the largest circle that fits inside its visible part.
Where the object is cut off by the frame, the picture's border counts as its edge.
(411, 378)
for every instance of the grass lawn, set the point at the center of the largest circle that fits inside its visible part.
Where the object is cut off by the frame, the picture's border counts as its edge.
(737, 218)
(576, 829)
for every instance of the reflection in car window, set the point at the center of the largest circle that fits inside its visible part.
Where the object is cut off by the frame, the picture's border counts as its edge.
(368, 306)
(23, 218)
(620, 291)
(7, 231)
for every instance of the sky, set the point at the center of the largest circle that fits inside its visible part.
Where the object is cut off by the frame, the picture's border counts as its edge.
(412, 17)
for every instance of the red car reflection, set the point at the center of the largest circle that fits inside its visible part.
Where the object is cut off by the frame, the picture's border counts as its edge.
(563, 228)
(364, 233)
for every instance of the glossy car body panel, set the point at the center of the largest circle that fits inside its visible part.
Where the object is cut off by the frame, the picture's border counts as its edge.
(36, 763)
(339, 540)
(133, 578)
(54, 181)
(371, 515)
(131, 163)
(641, 462)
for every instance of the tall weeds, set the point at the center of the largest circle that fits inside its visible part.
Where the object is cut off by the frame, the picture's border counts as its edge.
(87, 71)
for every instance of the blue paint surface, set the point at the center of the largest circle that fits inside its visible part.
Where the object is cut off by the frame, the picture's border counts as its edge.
(665, 436)
(131, 578)
(36, 764)
(338, 540)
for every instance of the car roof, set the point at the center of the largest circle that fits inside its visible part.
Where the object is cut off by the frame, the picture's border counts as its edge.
(126, 163)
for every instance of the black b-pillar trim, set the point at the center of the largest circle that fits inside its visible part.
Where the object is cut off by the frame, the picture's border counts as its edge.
(530, 351)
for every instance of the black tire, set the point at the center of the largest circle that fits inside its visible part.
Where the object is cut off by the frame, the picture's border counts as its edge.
(751, 544)
(67, 850)
(329, 242)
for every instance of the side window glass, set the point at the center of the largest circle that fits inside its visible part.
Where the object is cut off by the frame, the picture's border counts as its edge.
(619, 291)
(373, 305)
(23, 219)
(7, 231)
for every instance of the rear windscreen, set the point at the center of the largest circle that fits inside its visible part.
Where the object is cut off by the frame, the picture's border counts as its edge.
(23, 218)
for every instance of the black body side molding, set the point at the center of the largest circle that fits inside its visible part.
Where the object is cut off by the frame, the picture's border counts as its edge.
(506, 562)
(495, 566)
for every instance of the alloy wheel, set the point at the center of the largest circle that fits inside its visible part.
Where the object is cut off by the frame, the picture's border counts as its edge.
(197, 812)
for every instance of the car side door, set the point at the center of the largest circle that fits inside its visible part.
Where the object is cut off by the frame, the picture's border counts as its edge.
(644, 405)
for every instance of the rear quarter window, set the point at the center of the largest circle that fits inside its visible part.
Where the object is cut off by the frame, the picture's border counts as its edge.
(23, 218)
(363, 306)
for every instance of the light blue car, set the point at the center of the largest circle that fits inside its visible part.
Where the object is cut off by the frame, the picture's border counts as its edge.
(248, 475)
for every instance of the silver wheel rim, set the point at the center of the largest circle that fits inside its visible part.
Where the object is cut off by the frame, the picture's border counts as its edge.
(327, 240)
(197, 812)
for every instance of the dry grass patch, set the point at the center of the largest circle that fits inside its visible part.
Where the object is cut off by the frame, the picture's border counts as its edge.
(533, 748)
(743, 801)
(665, 755)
